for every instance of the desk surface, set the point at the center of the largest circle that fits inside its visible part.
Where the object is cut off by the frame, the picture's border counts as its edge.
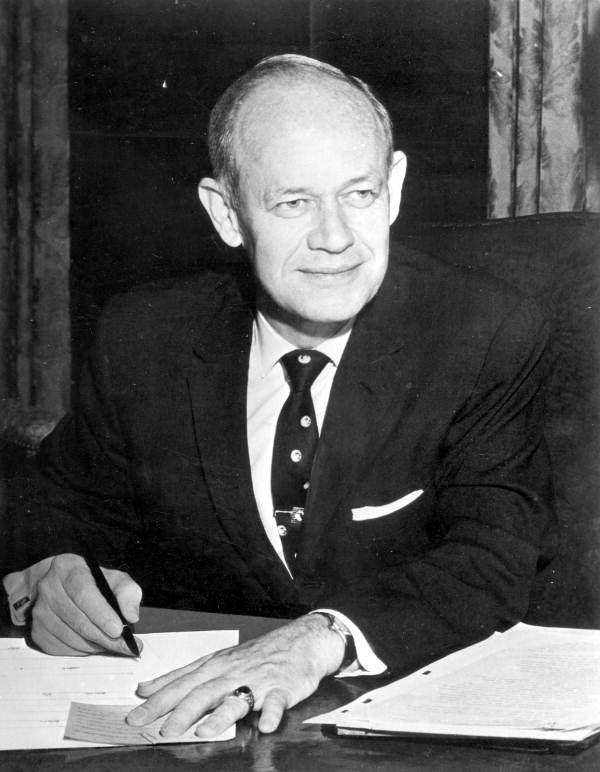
(294, 747)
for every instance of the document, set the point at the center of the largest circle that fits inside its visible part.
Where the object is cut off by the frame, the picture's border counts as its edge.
(36, 690)
(529, 683)
(106, 724)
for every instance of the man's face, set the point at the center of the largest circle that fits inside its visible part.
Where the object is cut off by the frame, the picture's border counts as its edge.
(314, 215)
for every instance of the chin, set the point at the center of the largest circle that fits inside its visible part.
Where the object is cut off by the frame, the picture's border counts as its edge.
(331, 316)
(342, 310)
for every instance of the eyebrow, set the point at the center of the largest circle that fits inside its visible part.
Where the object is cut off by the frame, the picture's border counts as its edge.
(272, 195)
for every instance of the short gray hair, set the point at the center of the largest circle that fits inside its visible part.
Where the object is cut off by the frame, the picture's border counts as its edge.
(223, 118)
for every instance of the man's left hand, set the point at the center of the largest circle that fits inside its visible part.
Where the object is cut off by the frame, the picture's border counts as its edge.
(281, 668)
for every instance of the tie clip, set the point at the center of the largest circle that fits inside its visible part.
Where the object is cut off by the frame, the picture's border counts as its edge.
(295, 514)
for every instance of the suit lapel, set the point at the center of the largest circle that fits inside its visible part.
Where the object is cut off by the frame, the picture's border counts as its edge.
(217, 385)
(365, 392)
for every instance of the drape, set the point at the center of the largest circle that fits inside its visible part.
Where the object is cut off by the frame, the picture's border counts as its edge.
(34, 205)
(544, 148)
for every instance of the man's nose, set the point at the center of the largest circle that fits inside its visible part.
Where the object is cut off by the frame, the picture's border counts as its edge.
(331, 232)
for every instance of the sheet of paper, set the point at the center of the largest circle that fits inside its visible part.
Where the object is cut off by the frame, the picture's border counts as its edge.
(106, 724)
(36, 690)
(528, 682)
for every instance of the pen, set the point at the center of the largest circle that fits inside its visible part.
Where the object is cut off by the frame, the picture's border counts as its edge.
(109, 597)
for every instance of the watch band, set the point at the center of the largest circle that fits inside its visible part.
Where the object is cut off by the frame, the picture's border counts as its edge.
(337, 627)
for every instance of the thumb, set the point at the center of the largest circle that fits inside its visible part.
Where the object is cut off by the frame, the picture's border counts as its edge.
(128, 594)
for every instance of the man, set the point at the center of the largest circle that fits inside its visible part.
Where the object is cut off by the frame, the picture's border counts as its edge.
(426, 501)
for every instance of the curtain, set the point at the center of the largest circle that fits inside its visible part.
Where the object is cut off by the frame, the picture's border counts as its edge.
(34, 206)
(544, 145)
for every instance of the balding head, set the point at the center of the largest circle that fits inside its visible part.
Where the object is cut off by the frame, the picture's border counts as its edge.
(287, 89)
(307, 183)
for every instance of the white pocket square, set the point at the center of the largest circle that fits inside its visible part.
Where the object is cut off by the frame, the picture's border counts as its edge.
(370, 513)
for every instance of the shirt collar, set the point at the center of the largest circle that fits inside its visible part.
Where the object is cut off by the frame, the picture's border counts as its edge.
(270, 346)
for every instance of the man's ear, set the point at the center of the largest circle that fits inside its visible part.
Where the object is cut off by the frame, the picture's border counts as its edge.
(395, 181)
(223, 216)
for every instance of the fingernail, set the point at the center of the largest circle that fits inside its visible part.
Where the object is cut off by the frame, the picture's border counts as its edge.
(132, 614)
(267, 726)
(137, 716)
(172, 728)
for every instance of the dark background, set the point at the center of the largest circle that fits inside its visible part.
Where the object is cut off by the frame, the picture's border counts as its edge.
(143, 75)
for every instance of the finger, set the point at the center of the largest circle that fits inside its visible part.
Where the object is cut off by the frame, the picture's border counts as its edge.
(81, 590)
(274, 705)
(226, 714)
(62, 642)
(56, 612)
(127, 592)
(147, 688)
(205, 695)
(198, 703)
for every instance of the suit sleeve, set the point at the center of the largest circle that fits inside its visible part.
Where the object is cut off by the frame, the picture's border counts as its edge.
(493, 509)
(82, 493)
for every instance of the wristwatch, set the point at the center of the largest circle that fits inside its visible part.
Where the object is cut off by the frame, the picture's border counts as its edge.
(338, 627)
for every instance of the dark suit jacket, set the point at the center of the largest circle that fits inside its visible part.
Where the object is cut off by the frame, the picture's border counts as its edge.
(439, 389)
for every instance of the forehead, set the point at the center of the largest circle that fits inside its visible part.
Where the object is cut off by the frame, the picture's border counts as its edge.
(307, 128)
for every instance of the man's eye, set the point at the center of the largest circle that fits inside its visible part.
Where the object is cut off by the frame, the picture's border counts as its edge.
(291, 208)
(361, 198)
(293, 205)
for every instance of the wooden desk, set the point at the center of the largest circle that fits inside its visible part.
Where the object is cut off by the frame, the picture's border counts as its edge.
(294, 747)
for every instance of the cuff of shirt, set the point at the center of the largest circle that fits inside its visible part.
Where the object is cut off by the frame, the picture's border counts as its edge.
(367, 662)
(21, 589)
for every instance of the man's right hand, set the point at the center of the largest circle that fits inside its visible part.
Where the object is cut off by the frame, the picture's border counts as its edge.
(71, 617)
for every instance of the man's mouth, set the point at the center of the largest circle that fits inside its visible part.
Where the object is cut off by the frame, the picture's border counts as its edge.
(332, 271)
